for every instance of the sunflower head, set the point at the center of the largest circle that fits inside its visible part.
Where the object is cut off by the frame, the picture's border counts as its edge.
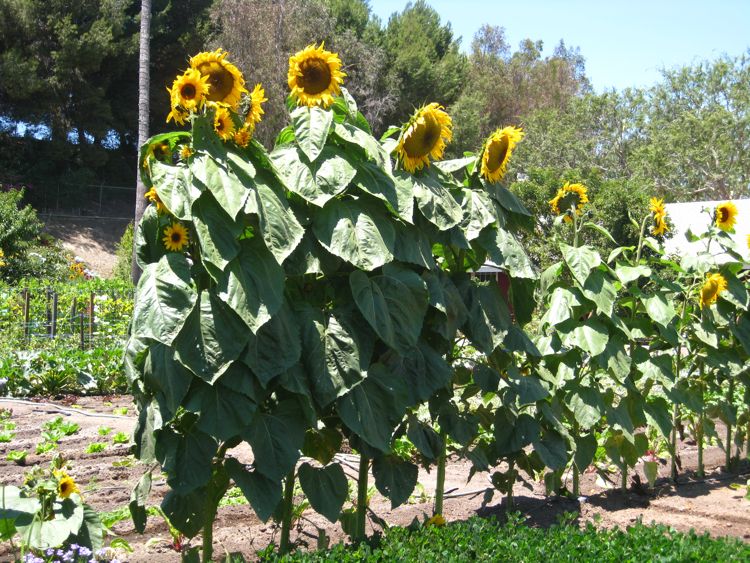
(497, 151)
(314, 76)
(226, 83)
(175, 237)
(242, 136)
(437, 520)
(424, 137)
(726, 215)
(255, 111)
(185, 152)
(189, 90)
(712, 287)
(66, 486)
(570, 196)
(656, 207)
(223, 122)
(160, 151)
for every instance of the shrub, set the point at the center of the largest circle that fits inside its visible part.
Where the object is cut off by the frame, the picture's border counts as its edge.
(124, 253)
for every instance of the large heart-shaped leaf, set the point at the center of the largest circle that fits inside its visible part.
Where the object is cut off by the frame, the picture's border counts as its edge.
(394, 478)
(325, 487)
(311, 127)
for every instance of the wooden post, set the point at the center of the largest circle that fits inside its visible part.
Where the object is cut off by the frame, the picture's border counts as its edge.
(73, 308)
(26, 303)
(91, 320)
(83, 338)
(53, 321)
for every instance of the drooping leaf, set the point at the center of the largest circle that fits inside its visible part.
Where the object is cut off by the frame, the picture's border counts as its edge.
(601, 291)
(580, 261)
(216, 232)
(659, 308)
(478, 212)
(422, 368)
(164, 375)
(166, 297)
(215, 176)
(275, 348)
(311, 127)
(506, 252)
(277, 437)
(394, 478)
(375, 406)
(173, 186)
(326, 488)
(263, 494)
(435, 202)
(425, 439)
(211, 339)
(355, 232)
(222, 412)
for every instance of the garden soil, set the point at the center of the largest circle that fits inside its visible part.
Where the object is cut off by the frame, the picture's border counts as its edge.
(706, 505)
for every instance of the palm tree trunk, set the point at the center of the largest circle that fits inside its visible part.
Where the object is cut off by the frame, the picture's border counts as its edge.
(144, 79)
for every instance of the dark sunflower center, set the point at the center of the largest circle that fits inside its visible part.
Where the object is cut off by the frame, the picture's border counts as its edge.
(161, 151)
(316, 76)
(423, 138)
(220, 125)
(498, 150)
(176, 237)
(220, 80)
(188, 91)
(723, 215)
(64, 487)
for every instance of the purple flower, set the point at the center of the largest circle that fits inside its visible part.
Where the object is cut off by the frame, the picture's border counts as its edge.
(84, 551)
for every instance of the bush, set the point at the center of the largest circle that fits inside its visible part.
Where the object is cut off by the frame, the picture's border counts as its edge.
(124, 253)
(26, 252)
(485, 540)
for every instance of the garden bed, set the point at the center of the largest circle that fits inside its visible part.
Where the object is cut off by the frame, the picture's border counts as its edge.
(106, 479)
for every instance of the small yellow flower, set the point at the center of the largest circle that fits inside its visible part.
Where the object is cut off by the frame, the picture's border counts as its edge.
(712, 287)
(226, 83)
(497, 151)
(2, 258)
(66, 486)
(185, 152)
(436, 520)
(223, 123)
(175, 237)
(748, 241)
(726, 215)
(315, 76)
(656, 206)
(424, 137)
(153, 197)
(255, 111)
(242, 137)
(568, 197)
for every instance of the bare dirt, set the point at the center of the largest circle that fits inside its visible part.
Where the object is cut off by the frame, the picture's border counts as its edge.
(705, 505)
(93, 240)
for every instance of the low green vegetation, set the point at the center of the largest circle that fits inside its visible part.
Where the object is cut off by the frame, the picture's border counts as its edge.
(485, 540)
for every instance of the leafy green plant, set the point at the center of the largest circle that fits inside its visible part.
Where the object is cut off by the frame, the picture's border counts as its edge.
(48, 512)
(104, 430)
(61, 426)
(44, 447)
(95, 447)
(120, 438)
(6, 436)
(121, 411)
(17, 456)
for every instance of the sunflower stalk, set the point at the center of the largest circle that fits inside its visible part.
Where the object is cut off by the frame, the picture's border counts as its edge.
(288, 509)
(700, 426)
(440, 486)
(730, 398)
(364, 467)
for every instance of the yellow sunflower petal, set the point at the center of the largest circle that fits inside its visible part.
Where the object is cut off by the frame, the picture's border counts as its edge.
(189, 90)
(255, 111)
(315, 76)
(424, 137)
(570, 196)
(223, 122)
(497, 152)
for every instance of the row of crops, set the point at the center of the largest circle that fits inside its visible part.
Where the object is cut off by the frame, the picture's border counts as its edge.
(321, 294)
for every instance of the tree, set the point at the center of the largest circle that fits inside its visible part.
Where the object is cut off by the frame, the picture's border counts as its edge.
(698, 127)
(144, 61)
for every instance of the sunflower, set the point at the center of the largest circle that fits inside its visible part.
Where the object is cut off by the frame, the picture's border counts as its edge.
(189, 90)
(424, 137)
(726, 215)
(315, 76)
(436, 520)
(185, 152)
(223, 122)
(175, 237)
(712, 287)
(161, 151)
(66, 486)
(255, 111)
(2, 258)
(224, 79)
(656, 206)
(568, 197)
(497, 151)
(242, 136)
(153, 197)
(178, 115)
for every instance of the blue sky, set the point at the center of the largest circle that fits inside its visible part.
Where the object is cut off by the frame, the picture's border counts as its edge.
(625, 43)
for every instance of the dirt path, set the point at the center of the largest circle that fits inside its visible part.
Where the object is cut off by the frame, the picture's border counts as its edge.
(708, 505)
